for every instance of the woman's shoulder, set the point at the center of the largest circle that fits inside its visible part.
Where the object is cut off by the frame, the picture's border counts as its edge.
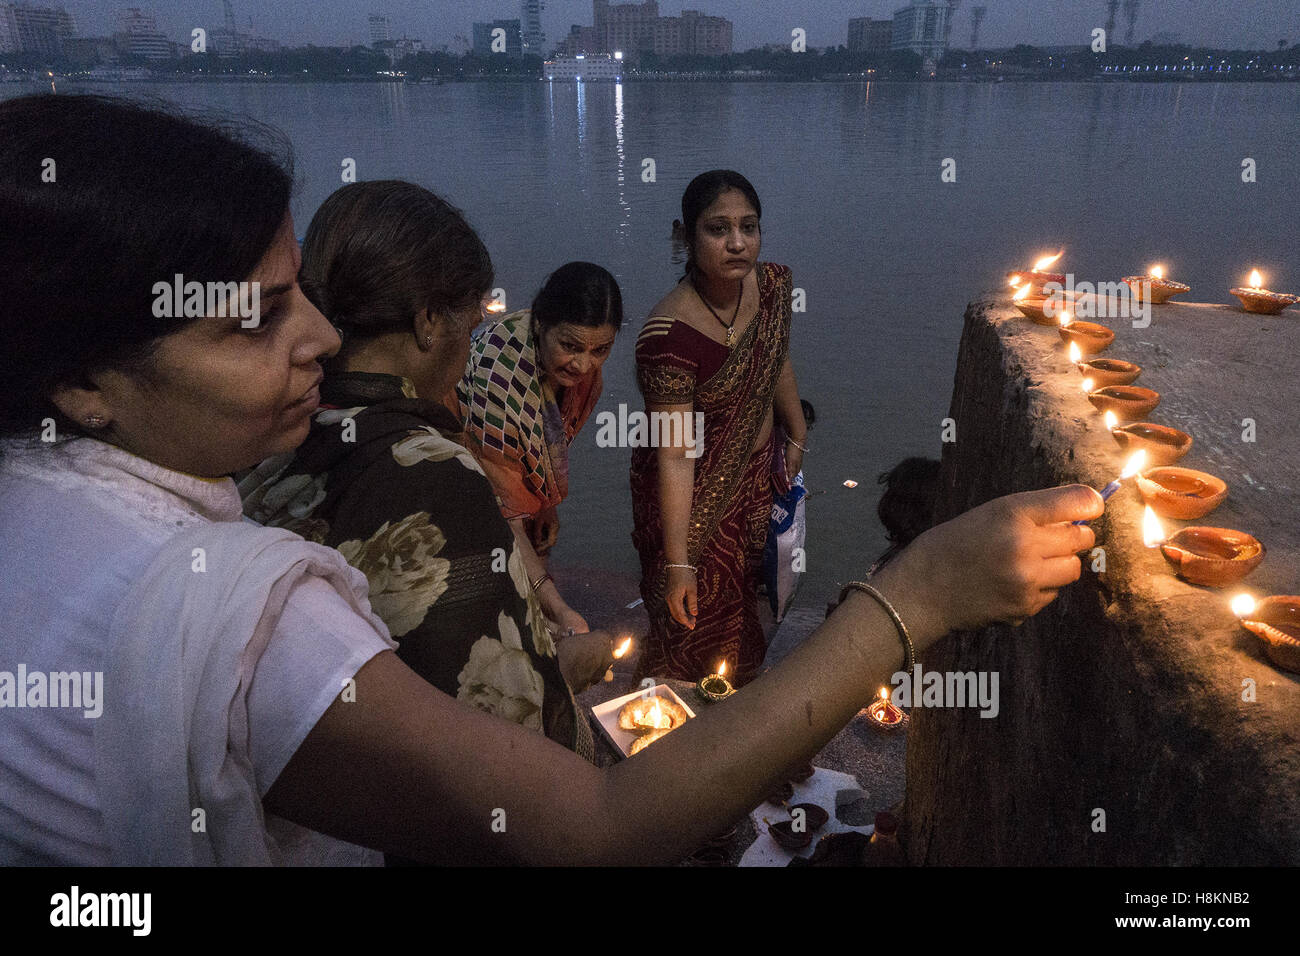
(775, 272)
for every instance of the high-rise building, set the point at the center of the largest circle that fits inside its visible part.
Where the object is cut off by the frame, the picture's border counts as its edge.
(638, 28)
(922, 27)
(483, 37)
(25, 28)
(700, 34)
(380, 30)
(870, 36)
(530, 18)
(138, 35)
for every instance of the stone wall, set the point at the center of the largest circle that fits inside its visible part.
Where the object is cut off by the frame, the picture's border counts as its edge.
(1126, 693)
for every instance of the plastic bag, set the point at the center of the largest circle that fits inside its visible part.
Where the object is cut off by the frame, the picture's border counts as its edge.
(783, 560)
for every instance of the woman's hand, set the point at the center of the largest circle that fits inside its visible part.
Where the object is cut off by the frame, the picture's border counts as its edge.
(680, 595)
(793, 461)
(1001, 562)
(584, 658)
(545, 529)
(571, 620)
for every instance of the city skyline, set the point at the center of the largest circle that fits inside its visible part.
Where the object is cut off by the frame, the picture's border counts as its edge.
(1259, 24)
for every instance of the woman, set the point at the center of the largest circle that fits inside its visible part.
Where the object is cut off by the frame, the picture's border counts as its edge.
(530, 385)
(717, 345)
(247, 683)
(382, 478)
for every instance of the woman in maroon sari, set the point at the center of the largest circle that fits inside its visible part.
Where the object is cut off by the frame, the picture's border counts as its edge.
(716, 345)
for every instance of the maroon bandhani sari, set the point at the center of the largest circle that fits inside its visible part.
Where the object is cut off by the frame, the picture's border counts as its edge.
(732, 497)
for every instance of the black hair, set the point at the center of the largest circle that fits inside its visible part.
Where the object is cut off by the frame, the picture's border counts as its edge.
(701, 193)
(907, 507)
(378, 253)
(99, 199)
(581, 293)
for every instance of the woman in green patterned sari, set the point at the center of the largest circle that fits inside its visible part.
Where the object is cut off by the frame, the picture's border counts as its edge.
(383, 478)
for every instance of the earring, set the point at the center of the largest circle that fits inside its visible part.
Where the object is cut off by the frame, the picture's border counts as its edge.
(428, 341)
(94, 421)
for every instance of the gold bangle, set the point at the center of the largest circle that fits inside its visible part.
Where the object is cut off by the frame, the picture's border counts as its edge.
(536, 585)
(909, 652)
(802, 448)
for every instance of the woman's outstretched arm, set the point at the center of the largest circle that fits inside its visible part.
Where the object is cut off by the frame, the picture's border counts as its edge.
(676, 496)
(406, 769)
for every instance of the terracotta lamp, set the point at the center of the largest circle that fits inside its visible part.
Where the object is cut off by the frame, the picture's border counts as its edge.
(1164, 445)
(1260, 300)
(1107, 371)
(1276, 619)
(1128, 402)
(1162, 289)
(1182, 493)
(1089, 336)
(1213, 557)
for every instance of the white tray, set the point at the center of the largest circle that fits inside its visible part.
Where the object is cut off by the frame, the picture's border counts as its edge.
(606, 715)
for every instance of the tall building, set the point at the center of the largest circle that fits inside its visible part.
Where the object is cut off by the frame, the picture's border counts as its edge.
(25, 28)
(922, 27)
(138, 35)
(483, 37)
(638, 28)
(870, 36)
(705, 35)
(380, 31)
(530, 18)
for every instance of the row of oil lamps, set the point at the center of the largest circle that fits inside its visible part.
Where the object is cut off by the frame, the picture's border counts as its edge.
(1212, 557)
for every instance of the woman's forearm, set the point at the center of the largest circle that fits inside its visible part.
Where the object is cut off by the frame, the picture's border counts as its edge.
(548, 594)
(785, 403)
(676, 494)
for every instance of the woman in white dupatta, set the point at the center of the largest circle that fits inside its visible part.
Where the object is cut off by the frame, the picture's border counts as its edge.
(252, 708)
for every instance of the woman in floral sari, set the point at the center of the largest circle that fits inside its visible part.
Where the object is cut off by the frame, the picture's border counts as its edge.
(717, 345)
(382, 478)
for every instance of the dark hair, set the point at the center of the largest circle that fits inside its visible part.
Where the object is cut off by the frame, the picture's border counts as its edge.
(907, 507)
(99, 199)
(378, 253)
(701, 193)
(582, 293)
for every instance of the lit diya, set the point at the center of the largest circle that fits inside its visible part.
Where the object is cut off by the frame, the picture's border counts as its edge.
(1040, 308)
(1277, 620)
(1163, 445)
(646, 715)
(1128, 402)
(716, 687)
(619, 653)
(1090, 337)
(1260, 300)
(1162, 289)
(1182, 493)
(1035, 279)
(884, 714)
(1213, 557)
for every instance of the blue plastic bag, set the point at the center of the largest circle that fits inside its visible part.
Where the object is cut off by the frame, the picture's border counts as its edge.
(782, 566)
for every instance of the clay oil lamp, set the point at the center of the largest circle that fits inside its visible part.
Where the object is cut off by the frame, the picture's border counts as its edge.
(1277, 620)
(884, 715)
(1162, 289)
(814, 817)
(1181, 493)
(787, 837)
(1163, 445)
(1103, 371)
(1089, 336)
(1036, 278)
(1213, 557)
(716, 687)
(1260, 300)
(1128, 402)
(1032, 306)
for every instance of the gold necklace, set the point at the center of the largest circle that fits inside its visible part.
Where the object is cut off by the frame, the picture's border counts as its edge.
(740, 297)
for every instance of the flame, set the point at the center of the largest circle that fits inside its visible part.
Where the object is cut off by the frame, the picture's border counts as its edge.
(1157, 272)
(1066, 318)
(655, 716)
(722, 669)
(1110, 418)
(1021, 292)
(1256, 280)
(1046, 261)
(623, 648)
(1153, 532)
(884, 694)
(496, 305)
(1134, 464)
(1076, 354)
(1242, 605)
(1088, 385)
(1014, 280)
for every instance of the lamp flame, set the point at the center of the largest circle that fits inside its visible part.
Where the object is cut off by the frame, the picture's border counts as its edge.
(1111, 419)
(884, 694)
(1014, 280)
(1242, 605)
(722, 669)
(1256, 280)
(623, 648)
(1076, 353)
(1157, 272)
(1046, 261)
(1134, 465)
(1021, 292)
(1066, 319)
(1153, 532)
(496, 305)
(1087, 385)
